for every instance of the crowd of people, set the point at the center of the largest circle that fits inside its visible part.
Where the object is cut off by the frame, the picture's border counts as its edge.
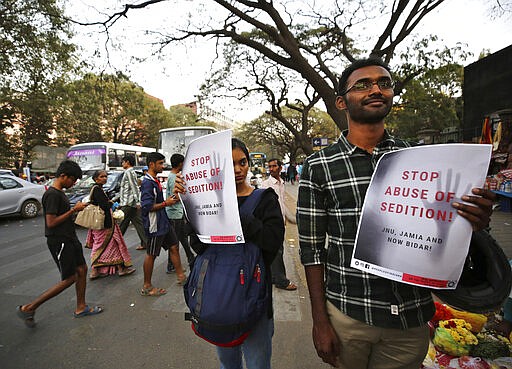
(359, 320)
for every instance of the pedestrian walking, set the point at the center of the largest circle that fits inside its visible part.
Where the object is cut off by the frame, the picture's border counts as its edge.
(156, 224)
(63, 244)
(109, 254)
(175, 212)
(275, 182)
(129, 201)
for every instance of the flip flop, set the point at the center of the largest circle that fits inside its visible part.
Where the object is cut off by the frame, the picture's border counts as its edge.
(140, 247)
(182, 280)
(290, 287)
(153, 292)
(99, 275)
(27, 317)
(127, 271)
(87, 311)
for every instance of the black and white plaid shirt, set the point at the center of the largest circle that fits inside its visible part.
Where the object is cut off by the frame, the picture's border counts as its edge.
(332, 188)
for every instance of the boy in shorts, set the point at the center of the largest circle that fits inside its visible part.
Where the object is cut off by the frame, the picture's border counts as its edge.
(63, 244)
(156, 224)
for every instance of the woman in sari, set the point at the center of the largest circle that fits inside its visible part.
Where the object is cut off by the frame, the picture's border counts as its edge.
(109, 252)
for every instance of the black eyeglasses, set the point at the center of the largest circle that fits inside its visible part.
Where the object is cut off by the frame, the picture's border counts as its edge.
(367, 85)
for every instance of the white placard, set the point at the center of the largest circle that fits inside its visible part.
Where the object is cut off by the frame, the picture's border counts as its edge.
(409, 231)
(210, 202)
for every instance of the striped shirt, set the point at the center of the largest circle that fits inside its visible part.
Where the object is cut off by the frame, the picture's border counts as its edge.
(331, 194)
(130, 194)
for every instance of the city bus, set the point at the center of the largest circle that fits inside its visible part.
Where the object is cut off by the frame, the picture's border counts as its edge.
(92, 156)
(176, 140)
(257, 162)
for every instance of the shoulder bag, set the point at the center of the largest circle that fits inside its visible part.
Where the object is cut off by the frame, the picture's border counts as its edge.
(92, 217)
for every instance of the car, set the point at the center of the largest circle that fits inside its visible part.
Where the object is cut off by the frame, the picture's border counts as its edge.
(6, 172)
(18, 196)
(80, 191)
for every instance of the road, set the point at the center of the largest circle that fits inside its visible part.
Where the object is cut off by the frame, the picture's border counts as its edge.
(136, 331)
(133, 331)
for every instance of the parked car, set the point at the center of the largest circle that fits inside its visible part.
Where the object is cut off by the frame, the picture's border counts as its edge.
(6, 172)
(80, 191)
(18, 196)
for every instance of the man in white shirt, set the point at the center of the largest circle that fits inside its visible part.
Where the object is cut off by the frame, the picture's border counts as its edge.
(130, 201)
(275, 182)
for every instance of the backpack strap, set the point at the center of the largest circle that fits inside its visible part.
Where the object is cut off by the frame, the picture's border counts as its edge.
(252, 201)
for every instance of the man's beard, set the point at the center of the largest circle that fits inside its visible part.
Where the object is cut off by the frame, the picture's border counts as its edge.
(360, 115)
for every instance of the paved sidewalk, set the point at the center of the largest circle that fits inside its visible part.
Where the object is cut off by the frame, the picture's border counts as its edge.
(501, 230)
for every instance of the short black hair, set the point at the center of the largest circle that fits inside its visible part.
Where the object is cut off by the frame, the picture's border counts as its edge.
(130, 159)
(279, 162)
(176, 160)
(235, 142)
(153, 157)
(69, 168)
(358, 64)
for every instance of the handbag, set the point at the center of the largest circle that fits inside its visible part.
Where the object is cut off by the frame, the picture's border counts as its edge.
(92, 217)
(118, 215)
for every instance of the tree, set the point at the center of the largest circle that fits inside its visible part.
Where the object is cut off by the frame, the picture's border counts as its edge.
(431, 101)
(34, 39)
(270, 135)
(181, 115)
(306, 38)
(109, 108)
(309, 40)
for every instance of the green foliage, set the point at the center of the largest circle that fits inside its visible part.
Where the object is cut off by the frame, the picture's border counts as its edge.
(36, 51)
(269, 135)
(182, 116)
(432, 101)
(109, 108)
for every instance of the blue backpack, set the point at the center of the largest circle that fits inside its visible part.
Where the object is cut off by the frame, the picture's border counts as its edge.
(226, 290)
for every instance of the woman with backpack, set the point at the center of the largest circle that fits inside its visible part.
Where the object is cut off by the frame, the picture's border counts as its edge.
(264, 228)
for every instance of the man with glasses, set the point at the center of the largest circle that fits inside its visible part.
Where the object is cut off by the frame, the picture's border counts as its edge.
(360, 320)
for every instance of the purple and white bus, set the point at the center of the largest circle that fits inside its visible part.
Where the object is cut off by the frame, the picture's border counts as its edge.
(92, 156)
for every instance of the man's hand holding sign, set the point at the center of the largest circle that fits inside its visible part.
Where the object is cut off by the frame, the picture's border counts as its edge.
(417, 218)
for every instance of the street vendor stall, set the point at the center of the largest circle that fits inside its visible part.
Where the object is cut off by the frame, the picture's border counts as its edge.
(464, 340)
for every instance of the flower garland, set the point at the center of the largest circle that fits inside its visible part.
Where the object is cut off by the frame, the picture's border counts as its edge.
(460, 330)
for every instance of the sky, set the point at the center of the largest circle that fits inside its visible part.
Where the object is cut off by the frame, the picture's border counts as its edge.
(176, 75)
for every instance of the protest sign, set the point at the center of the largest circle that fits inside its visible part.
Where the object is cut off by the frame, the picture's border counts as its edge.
(409, 231)
(210, 202)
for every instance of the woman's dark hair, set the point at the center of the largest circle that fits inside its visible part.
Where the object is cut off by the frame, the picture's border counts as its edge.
(97, 174)
(235, 142)
(358, 64)
(70, 169)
